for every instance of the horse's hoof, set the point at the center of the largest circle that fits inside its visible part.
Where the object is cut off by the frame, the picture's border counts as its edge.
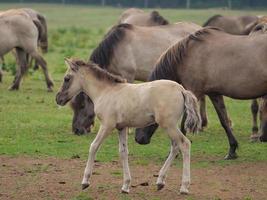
(49, 90)
(254, 137)
(184, 191)
(85, 185)
(262, 139)
(230, 156)
(13, 87)
(125, 191)
(160, 186)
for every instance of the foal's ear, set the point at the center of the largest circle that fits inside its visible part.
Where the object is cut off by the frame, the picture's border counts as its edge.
(73, 66)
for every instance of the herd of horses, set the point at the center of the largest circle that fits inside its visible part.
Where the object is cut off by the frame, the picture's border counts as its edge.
(225, 57)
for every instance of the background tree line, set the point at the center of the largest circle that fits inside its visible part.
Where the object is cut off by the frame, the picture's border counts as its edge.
(158, 3)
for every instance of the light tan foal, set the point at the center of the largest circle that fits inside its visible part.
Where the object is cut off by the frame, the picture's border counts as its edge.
(121, 105)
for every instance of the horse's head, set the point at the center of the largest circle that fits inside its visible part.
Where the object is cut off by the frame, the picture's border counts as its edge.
(83, 114)
(258, 27)
(72, 84)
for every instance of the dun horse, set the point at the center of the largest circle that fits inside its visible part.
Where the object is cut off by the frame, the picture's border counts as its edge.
(131, 52)
(120, 105)
(140, 18)
(214, 63)
(20, 31)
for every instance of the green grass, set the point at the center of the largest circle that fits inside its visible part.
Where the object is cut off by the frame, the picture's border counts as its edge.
(32, 124)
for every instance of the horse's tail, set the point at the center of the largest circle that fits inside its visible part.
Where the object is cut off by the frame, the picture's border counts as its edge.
(42, 29)
(193, 119)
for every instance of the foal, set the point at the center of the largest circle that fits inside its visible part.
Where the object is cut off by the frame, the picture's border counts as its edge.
(118, 104)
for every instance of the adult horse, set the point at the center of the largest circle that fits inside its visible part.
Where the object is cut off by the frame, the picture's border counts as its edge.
(119, 105)
(236, 25)
(42, 29)
(139, 17)
(214, 63)
(131, 52)
(20, 31)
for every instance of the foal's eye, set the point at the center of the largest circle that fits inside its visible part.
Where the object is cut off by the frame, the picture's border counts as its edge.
(67, 79)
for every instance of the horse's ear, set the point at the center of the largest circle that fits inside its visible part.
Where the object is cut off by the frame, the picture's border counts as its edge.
(73, 66)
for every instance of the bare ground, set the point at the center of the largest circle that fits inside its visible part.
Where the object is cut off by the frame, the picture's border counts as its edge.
(50, 178)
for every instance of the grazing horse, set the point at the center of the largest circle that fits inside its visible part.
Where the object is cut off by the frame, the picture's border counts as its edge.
(120, 105)
(18, 30)
(214, 63)
(131, 52)
(140, 18)
(42, 29)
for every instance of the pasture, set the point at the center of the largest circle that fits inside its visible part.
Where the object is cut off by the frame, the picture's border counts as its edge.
(40, 158)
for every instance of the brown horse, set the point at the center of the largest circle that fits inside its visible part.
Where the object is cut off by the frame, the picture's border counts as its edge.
(236, 25)
(214, 63)
(131, 52)
(20, 31)
(139, 17)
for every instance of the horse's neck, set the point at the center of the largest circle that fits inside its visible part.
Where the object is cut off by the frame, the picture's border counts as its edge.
(94, 88)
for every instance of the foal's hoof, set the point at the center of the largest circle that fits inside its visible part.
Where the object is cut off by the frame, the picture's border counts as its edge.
(85, 185)
(230, 156)
(125, 191)
(184, 191)
(160, 186)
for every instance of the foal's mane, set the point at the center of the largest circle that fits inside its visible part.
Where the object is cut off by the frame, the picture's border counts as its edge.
(103, 54)
(157, 18)
(166, 66)
(100, 74)
(211, 19)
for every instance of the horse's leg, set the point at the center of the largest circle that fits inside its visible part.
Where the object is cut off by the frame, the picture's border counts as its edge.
(36, 65)
(203, 113)
(1, 72)
(218, 102)
(123, 140)
(254, 111)
(263, 119)
(39, 59)
(3, 63)
(101, 135)
(21, 68)
(179, 141)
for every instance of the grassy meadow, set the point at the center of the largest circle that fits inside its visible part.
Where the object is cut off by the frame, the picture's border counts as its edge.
(32, 124)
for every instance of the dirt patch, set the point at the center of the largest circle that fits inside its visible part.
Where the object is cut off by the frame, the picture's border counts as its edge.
(33, 178)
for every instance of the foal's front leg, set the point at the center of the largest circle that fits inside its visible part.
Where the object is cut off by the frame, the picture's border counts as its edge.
(123, 148)
(101, 135)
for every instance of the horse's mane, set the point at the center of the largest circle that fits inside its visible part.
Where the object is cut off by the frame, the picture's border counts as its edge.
(157, 18)
(166, 66)
(100, 73)
(211, 19)
(103, 54)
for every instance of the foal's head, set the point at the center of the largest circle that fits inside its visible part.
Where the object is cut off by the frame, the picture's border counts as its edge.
(72, 84)
(259, 27)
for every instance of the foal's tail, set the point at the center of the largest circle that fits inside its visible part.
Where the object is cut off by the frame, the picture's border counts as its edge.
(193, 119)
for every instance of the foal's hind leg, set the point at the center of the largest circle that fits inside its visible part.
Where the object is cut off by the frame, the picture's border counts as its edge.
(39, 59)
(123, 139)
(179, 141)
(219, 105)
(21, 68)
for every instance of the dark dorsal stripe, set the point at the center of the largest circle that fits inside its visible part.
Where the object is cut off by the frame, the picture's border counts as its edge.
(103, 54)
(211, 19)
(166, 67)
(156, 17)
